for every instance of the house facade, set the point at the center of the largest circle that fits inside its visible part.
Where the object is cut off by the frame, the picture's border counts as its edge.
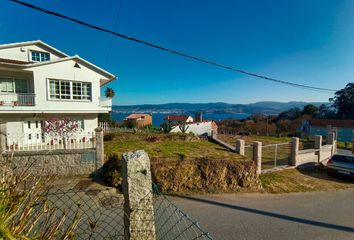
(39, 82)
(139, 120)
(344, 128)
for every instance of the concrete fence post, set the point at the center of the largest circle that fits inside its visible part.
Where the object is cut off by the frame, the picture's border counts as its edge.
(99, 148)
(318, 146)
(294, 151)
(240, 146)
(331, 141)
(138, 197)
(257, 156)
(330, 138)
(318, 142)
(2, 137)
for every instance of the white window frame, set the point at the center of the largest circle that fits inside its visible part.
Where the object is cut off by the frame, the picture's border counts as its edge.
(13, 80)
(40, 52)
(71, 93)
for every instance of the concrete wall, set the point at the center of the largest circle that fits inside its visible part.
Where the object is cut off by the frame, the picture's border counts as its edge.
(57, 162)
(314, 155)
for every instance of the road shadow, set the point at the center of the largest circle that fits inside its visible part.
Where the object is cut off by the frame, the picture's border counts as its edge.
(271, 214)
(320, 171)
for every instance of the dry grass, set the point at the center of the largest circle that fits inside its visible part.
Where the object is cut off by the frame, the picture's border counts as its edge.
(167, 146)
(24, 212)
(294, 180)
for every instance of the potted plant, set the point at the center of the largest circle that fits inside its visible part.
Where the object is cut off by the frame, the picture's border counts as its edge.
(15, 103)
(1, 103)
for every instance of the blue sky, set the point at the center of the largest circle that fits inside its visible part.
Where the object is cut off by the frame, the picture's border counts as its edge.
(306, 42)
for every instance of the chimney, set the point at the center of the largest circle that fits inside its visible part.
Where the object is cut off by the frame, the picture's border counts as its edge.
(198, 117)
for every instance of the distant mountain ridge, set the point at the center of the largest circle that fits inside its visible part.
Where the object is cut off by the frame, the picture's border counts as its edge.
(265, 107)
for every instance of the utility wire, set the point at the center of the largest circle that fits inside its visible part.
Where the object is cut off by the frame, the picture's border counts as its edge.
(114, 28)
(171, 50)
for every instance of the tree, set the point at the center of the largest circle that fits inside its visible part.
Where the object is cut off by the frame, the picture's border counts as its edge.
(343, 102)
(109, 92)
(310, 109)
(183, 128)
(62, 126)
(166, 127)
(61, 129)
(325, 112)
(291, 114)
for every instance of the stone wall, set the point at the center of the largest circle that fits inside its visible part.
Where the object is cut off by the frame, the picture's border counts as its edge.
(57, 162)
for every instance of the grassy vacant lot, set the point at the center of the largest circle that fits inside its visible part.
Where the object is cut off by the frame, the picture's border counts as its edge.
(167, 146)
(294, 180)
(182, 163)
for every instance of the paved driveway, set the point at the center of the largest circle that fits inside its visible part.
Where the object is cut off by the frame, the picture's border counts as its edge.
(307, 216)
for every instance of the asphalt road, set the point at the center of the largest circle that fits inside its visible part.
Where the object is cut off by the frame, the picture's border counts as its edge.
(321, 215)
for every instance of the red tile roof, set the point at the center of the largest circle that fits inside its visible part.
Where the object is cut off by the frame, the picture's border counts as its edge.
(137, 115)
(346, 123)
(12, 61)
(176, 117)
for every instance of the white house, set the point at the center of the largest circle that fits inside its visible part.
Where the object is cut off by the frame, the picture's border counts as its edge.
(38, 82)
(205, 128)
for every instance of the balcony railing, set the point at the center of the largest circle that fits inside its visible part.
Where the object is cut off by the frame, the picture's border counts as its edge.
(17, 99)
(105, 102)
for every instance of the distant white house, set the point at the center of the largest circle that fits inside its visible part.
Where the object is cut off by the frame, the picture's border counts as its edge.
(205, 128)
(38, 81)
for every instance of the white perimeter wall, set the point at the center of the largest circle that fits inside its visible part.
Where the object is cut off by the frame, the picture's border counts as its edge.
(202, 128)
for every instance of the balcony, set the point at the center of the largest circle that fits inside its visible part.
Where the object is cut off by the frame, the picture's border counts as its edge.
(105, 102)
(17, 99)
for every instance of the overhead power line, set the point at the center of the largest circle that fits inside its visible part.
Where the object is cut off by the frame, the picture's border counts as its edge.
(170, 50)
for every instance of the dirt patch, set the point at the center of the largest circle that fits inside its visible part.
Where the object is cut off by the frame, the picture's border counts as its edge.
(203, 175)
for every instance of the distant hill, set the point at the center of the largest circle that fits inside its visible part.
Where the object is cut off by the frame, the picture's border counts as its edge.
(218, 107)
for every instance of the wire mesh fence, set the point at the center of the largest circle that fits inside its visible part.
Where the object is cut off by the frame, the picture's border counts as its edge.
(172, 223)
(99, 214)
(249, 151)
(276, 155)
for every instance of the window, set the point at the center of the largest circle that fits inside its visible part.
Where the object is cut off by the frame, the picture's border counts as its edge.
(39, 56)
(13, 85)
(81, 91)
(60, 89)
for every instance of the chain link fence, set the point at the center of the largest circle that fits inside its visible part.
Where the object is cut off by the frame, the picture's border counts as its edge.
(249, 151)
(99, 214)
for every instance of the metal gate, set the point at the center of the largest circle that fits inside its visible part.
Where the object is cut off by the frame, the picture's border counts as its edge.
(276, 155)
